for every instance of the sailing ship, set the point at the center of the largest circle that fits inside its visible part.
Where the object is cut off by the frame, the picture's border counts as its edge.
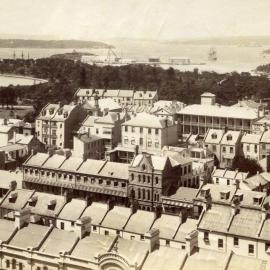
(212, 55)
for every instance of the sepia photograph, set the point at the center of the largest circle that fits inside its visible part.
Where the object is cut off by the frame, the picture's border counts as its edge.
(134, 135)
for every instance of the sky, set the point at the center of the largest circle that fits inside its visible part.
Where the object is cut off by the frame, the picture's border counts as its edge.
(136, 19)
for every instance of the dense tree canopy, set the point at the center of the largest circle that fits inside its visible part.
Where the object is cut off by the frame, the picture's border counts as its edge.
(246, 165)
(65, 76)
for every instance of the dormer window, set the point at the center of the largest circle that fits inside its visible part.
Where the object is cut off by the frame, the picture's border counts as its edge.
(214, 136)
(60, 112)
(239, 197)
(150, 95)
(143, 167)
(229, 137)
(65, 115)
(140, 95)
(51, 111)
(205, 192)
(257, 200)
(51, 204)
(32, 201)
(12, 197)
(224, 195)
(44, 112)
(87, 92)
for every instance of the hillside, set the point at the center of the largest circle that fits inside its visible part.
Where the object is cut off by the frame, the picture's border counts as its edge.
(74, 56)
(55, 44)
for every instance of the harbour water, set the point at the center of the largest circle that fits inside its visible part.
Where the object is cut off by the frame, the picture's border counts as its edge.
(6, 80)
(229, 58)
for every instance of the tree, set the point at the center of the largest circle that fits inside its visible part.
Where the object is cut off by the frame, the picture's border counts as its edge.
(246, 165)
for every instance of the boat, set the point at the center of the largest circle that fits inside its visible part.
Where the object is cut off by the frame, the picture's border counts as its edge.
(212, 55)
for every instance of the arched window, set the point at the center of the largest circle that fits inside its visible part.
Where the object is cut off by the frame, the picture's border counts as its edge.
(148, 195)
(143, 178)
(143, 194)
(143, 167)
(156, 180)
(139, 193)
(139, 178)
(148, 179)
(13, 264)
(132, 176)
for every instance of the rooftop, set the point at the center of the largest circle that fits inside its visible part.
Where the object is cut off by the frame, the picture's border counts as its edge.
(91, 246)
(136, 225)
(117, 218)
(167, 225)
(251, 138)
(115, 170)
(72, 210)
(186, 228)
(8, 176)
(148, 120)
(54, 161)
(58, 241)
(29, 236)
(37, 159)
(6, 229)
(96, 211)
(220, 111)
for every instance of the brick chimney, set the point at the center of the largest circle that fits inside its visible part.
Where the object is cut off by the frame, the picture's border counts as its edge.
(22, 218)
(152, 238)
(82, 226)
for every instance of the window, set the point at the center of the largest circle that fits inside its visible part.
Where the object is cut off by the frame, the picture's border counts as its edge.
(223, 149)
(117, 232)
(228, 182)
(250, 249)
(108, 182)
(229, 137)
(141, 130)
(62, 225)
(132, 177)
(236, 241)
(139, 193)
(149, 130)
(141, 141)
(126, 128)
(115, 184)
(106, 232)
(123, 185)
(126, 141)
(7, 263)
(255, 148)
(13, 264)
(214, 148)
(156, 178)
(132, 141)
(139, 178)
(97, 131)
(148, 195)
(267, 247)
(214, 136)
(156, 131)
(217, 180)
(156, 144)
(149, 144)
(100, 181)
(132, 237)
(94, 227)
(142, 237)
(167, 243)
(206, 236)
(148, 179)
(231, 150)
(132, 129)
(248, 148)
(220, 243)
(21, 266)
(144, 178)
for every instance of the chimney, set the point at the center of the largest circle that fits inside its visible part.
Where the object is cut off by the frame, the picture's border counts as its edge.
(22, 218)
(82, 227)
(152, 238)
(67, 196)
(5, 122)
(67, 153)
(133, 207)
(110, 204)
(235, 206)
(51, 152)
(13, 185)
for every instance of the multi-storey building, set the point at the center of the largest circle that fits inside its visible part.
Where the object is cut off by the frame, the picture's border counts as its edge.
(228, 177)
(224, 144)
(151, 176)
(262, 124)
(250, 144)
(88, 146)
(84, 177)
(122, 97)
(56, 123)
(148, 132)
(167, 109)
(265, 144)
(107, 127)
(198, 118)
